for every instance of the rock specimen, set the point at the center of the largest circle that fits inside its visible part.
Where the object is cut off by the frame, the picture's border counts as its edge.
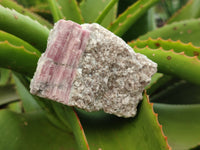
(89, 67)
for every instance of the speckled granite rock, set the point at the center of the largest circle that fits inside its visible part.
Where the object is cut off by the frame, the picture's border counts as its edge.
(89, 67)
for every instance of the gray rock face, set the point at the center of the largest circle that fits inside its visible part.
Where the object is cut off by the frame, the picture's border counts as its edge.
(89, 67)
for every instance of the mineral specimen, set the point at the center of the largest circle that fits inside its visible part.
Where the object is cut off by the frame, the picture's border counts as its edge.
(89, 67)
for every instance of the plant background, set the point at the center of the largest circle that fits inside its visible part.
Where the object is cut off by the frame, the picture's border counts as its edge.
(166, 31)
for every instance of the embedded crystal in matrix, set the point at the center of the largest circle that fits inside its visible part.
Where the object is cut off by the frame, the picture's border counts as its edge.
(89, 67)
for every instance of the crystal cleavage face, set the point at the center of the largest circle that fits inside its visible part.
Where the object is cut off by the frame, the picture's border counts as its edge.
(89, 67)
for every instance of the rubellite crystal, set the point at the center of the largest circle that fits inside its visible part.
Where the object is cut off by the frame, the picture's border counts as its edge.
(89, 67)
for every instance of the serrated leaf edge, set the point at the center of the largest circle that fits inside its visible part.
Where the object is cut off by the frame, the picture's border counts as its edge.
(171, 50)
(168, 40)
(131, 14)
(19, 48)
(81, 128)
(156, 116)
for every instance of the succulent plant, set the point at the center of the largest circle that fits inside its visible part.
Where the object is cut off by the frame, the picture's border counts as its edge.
(168, 115)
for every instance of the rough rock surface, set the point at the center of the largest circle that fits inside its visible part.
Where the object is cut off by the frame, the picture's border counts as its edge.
(89, 67)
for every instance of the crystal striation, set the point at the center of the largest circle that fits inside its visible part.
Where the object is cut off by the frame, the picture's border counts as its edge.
(89, 67)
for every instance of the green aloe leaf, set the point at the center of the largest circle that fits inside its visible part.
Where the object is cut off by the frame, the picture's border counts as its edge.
(21, 57)
(141, 26)
(12, 43)
(69, 117)
(56, 12)
(130, 16)
(4, 36)
(18, 58)
(65, 9)
(103, 14)
(144, 24)
(50, 113)
(179, 93)
(15, 106)
(180, 124)
(42, 10)
(177, 46)
(29, 3)
(28, 101)
(189, 11)
(5, 76)
(23, 27)
(63, 117)
(92, 9)
(42, 7)
(186, 31)
(154, 79)
(44, 104)
(8, 94)
(70, 10)
(32, 131)
(172, 63)
(109, 132)
(13, 5)
(158, 82)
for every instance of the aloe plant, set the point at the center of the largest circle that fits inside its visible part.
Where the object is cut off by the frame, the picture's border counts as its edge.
(167, 117)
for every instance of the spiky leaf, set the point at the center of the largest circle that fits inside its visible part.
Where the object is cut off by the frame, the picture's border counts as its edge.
(60, 115)
(17, 58)
(23, 27)
(177, 46)
(92, 9)
(32, 131)
(186, 31)
(15, 41)
(180, 124)
(70, 10)
(125, 133)
(104, 13)
(130, 16)
(13, 5)
(173, 63)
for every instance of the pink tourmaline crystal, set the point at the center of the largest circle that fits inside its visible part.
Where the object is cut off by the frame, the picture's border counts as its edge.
(57, 67)
(89, 67)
